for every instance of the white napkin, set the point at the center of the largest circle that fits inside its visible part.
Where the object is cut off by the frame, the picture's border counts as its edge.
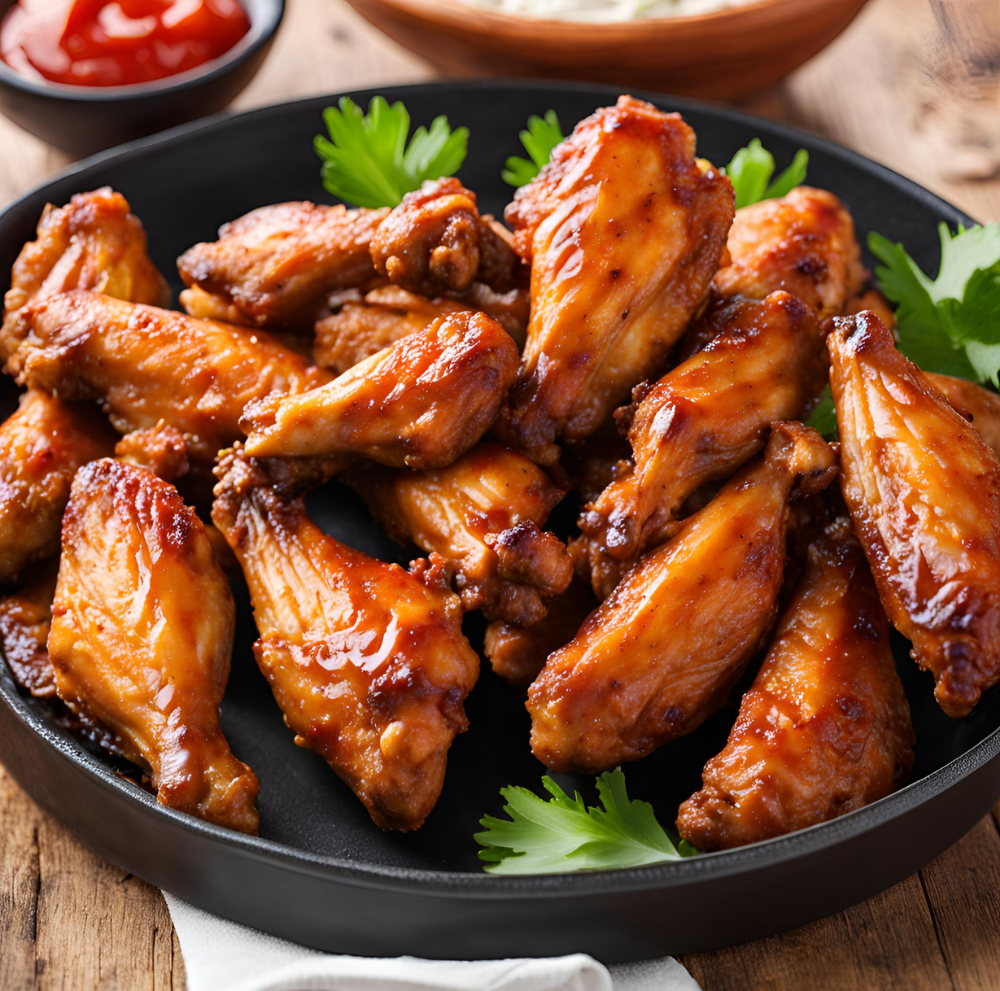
(224, 956)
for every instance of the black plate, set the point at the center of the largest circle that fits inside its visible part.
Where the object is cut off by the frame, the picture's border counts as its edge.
(321, 873)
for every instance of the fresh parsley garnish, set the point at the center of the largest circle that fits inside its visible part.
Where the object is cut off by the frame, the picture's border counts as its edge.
(542, 135)
(559, 834)
(367, 161)
(751, 169)
(951, 324)
(824, 417)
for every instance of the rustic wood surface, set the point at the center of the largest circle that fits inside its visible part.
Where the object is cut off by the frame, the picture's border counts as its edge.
(913, 84)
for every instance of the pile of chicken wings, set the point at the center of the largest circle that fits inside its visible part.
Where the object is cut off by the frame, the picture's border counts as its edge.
(630, 341)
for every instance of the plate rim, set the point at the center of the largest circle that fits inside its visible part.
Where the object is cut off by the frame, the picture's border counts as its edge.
(481, 885)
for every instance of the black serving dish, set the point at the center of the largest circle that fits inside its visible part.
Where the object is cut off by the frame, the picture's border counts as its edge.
(320, 872)
(82, 120)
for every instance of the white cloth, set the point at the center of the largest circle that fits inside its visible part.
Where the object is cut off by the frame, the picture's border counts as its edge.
(224, 956)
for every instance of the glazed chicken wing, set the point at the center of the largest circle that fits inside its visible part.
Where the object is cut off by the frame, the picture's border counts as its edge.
(825, 728)
(420, 403)
(979, 406)
(803, 243)
(146, 365)
(662, 653)
(368, 665)
(624, 230)
(480, 519)
(923, 489)
(278, 264)
(141, 638)
(41, 446)
(766, 362)
(435, 242)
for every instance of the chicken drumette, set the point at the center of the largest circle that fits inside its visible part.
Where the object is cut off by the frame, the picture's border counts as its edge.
(480, 518)
(766, 361)
(624, 229)
(368, 665)
(141, 638)
(923, 489)
(662, 653)
(825, 728)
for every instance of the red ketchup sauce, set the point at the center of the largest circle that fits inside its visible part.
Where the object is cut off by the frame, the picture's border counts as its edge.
(117, 42)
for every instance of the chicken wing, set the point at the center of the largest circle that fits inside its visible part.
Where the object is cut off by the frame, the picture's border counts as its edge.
(368, 665)
(435, 242)
(480, 519)
(141, 638)
(701, 421)
(923, 489)
(825, 728)
(662, 653)
(803, 243)
(93, 242)
(25, 618)
(420, 403)
(277, 264)
(624, 230)
(979, 406)
(148, 364)
(41, 446)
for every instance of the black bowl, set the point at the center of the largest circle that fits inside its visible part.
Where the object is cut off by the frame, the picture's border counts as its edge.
(85, 119)
(320, 872)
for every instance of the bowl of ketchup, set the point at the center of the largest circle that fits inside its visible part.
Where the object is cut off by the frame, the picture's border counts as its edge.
(87, 74)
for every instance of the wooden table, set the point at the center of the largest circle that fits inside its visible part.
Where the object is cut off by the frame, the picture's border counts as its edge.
(913, 84)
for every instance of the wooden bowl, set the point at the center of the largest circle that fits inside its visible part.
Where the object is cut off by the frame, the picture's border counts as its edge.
(723, 55)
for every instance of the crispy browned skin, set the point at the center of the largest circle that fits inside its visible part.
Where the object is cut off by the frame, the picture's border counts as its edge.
(923, 489)
(41, 446)
(93, 242)
(979, 406)
(480, 519)
(518, 653)
(277, 264)
(701, 421)
(368, 665)
(203, 305)
(662, 653)
(146, 365)
(825, 728)
(435, 242)
(420, 403)
(162, 449)
(624, 230)
(803, 243)
(25, 618)
(141, 638)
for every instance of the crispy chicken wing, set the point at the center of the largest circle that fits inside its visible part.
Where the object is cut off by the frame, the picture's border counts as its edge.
(93, 242)
(277, 264)
(923, 489)
(41, 446)
(624, 229)
(368, 665)
(480, 519)
(766, 362)
(435, 242)
(662, 653)
(420, 403)
(825, 728)
(25, 618)
(148, 364)
(803, 243)
(141, 638)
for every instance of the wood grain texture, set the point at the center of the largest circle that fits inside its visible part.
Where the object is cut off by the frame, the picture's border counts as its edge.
(913, 84)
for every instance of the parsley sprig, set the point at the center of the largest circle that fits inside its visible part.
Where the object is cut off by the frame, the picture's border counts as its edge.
(541, 136)
(560, 834)
(367, 161)
(751, 169)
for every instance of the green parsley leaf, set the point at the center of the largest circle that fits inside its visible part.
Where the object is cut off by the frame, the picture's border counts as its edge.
(751, 169)
(366, 159)
(564, 834)
(951, 324)
(542, 135)
(824, 417)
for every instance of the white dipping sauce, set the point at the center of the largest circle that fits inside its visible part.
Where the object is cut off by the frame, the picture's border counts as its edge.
(607, 10)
